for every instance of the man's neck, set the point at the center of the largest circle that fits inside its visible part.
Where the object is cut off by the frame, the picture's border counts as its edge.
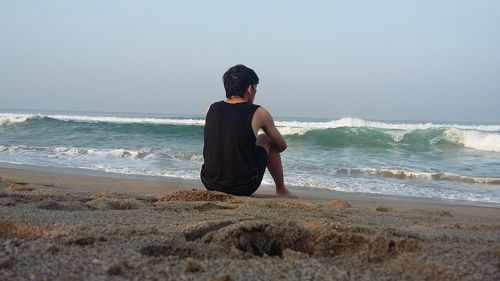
(236, 99)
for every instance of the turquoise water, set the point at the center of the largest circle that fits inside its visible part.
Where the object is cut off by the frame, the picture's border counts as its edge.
(432, 160)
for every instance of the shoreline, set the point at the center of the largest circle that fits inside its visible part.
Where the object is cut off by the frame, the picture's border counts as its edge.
(46, 174)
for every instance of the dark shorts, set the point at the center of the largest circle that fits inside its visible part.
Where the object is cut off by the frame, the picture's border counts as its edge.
(261, 155)
(247, 188)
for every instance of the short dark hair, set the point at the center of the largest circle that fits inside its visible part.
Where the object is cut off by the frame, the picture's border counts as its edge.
(237, 79)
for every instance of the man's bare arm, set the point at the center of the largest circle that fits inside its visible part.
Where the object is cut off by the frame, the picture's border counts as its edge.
(267, 124)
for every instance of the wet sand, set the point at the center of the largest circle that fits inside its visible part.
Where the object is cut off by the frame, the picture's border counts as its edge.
(58, 226)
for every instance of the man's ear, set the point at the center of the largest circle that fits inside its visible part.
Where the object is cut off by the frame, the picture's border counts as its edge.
(251, 89)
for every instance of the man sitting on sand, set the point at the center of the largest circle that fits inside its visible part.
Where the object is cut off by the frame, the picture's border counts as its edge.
(235, 156)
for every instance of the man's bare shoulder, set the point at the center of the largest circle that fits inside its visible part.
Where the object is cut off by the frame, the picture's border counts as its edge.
(263, 114)
(263, 118)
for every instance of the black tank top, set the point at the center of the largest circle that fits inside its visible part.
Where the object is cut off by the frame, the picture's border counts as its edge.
(229, 153)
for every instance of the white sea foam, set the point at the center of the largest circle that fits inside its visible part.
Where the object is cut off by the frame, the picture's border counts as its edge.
(145, 153)
(124, 153)
(10, 119)
(167, 121)
(296, 127)
(193, 175)
(397, 136)
(288, 127)
(413, 175)
(69, 151)
(17, 118)
(474, 139)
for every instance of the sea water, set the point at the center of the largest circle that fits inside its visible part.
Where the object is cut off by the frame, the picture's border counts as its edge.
(414, 159)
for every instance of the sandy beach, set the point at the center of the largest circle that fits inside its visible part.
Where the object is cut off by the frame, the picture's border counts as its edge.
(60, 226)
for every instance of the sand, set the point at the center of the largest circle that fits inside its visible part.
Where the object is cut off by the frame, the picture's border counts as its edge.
(56, 226)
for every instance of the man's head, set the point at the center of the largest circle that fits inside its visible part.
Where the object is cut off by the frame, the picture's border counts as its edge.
(238, 79)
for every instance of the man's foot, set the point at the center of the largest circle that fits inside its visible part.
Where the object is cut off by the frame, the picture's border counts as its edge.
(285, 193)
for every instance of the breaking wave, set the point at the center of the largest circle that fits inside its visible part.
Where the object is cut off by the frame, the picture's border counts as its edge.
(414, 140)
(337, 133)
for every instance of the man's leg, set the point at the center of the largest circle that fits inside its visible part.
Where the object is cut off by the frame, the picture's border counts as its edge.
(274, 165)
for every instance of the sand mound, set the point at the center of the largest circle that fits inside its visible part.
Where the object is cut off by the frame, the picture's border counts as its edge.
(198, 195)
(15, 187)
(14, 180)
(339, 204)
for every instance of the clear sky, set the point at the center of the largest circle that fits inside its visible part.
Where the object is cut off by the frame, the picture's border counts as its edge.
(390, 60)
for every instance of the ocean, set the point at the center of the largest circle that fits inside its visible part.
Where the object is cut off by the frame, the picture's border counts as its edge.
(412, 159)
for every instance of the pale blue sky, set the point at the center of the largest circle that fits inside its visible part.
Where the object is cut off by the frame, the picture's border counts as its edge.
(391, 60)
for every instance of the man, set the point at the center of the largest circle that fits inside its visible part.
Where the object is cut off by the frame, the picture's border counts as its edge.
(235, 155)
